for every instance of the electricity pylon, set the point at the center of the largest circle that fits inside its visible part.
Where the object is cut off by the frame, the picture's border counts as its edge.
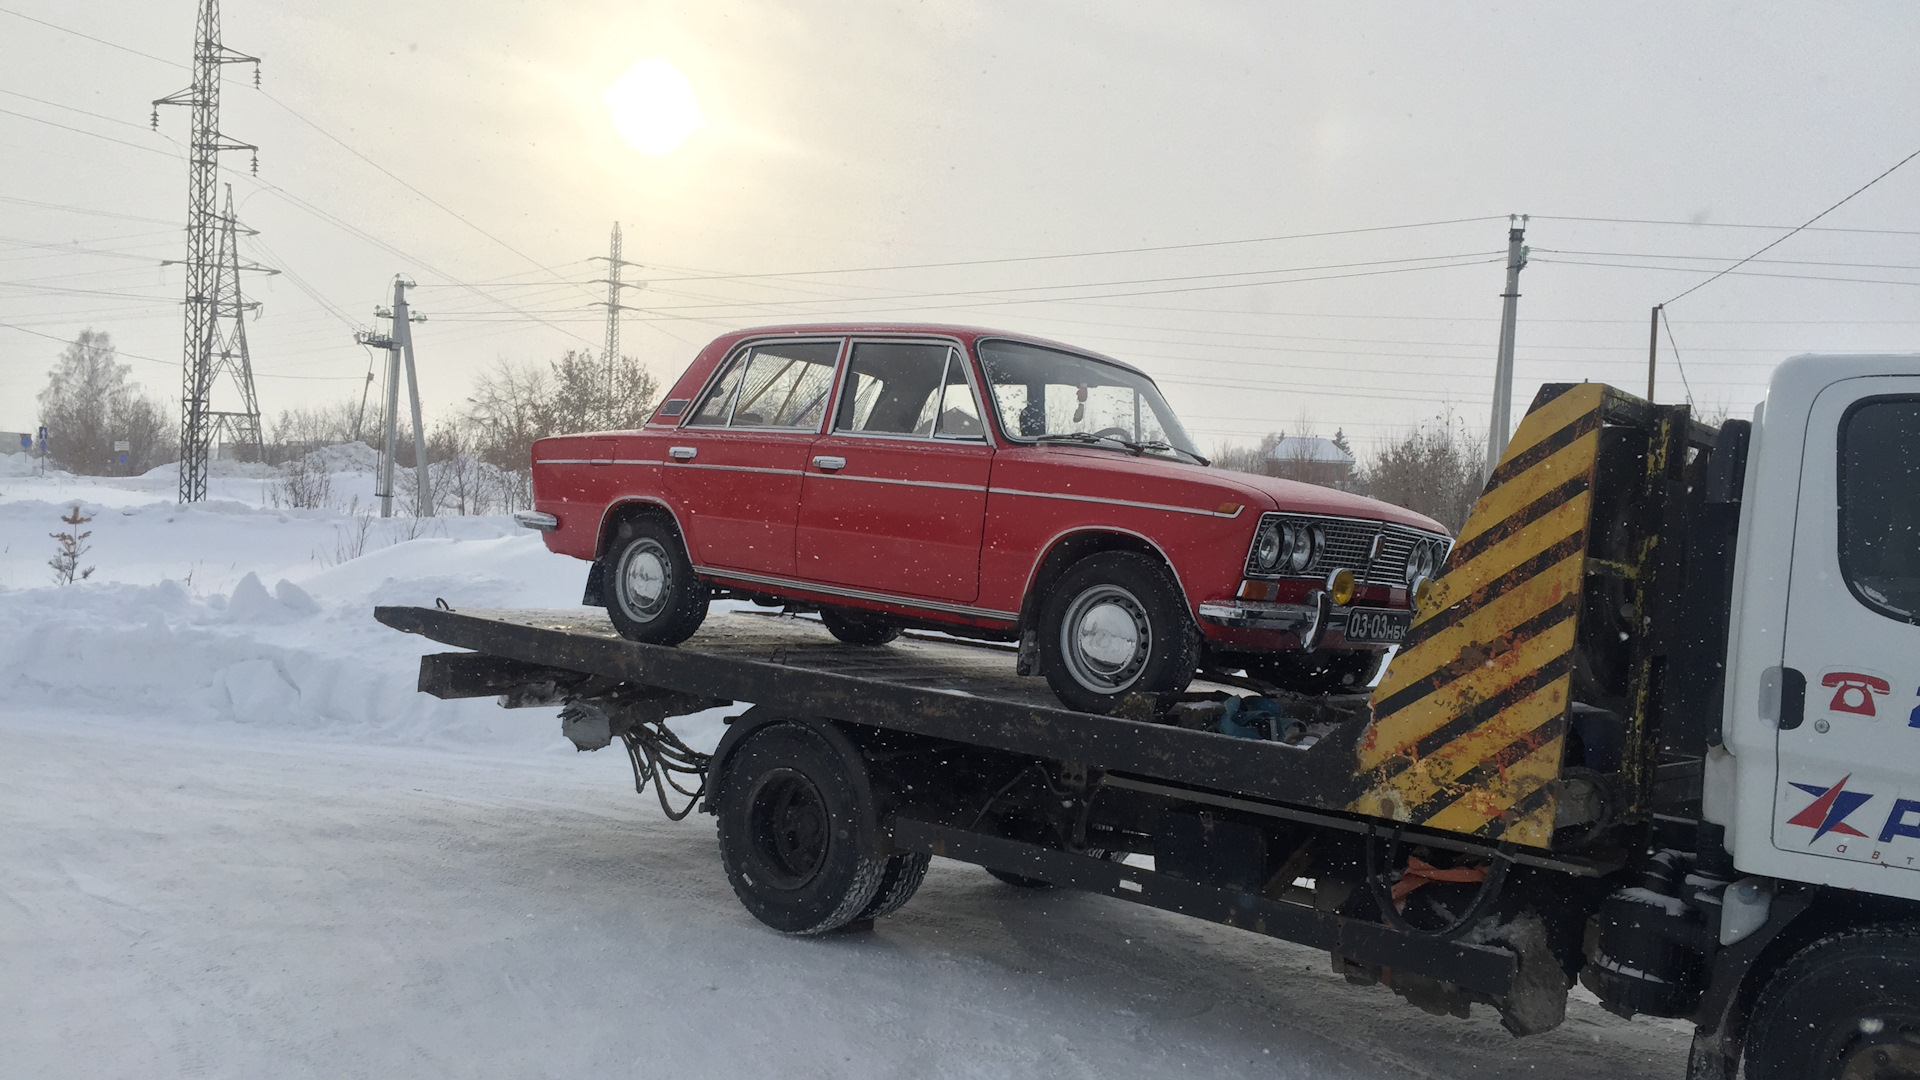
(198, 424)
(399, 342)
(227, 347)
(611, 355)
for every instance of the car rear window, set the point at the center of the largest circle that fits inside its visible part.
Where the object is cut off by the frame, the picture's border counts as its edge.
(917, 388)
(777, 385)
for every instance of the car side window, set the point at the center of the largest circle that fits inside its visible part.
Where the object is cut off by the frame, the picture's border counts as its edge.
(908, 389)
(781, 385)
(1880, 505)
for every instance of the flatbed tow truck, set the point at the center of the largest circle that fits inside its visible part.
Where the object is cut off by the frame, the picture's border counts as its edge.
(1597, 757)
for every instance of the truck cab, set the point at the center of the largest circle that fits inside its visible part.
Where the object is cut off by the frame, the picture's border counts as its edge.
(1817, 774)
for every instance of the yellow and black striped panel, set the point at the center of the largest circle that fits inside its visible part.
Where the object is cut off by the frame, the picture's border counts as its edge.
(1471, 716)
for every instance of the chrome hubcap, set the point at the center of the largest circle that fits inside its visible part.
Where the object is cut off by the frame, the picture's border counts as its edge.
(1106, 639)
(645, 576)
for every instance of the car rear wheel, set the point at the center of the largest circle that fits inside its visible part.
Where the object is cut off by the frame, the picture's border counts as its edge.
(651, 591)
(858, 629)
(1116, 624)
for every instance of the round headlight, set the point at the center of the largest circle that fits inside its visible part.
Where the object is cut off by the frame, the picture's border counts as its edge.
(1416, 564)
(1436, 555)
(1306, 544)
(1266, 548)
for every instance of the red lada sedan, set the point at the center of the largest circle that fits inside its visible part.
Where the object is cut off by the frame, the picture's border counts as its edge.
(985, 484)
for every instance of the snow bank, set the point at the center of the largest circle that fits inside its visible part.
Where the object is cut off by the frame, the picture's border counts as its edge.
(226, 612)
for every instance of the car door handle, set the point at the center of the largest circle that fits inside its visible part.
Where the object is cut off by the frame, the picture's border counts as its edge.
(1783, 697)
(682, 453)
(830, 463)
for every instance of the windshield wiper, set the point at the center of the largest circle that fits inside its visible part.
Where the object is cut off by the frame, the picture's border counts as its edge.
(1087, 438)
(1157, 446)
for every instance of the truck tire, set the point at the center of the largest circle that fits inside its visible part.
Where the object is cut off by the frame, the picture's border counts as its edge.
(1844, 1007)
(1323, 671)
(901, 880)
(1116, 624)
(790, 830)
(652, 593)
(858, 629)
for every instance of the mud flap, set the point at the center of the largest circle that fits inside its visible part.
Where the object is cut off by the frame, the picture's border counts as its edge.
(595, 577)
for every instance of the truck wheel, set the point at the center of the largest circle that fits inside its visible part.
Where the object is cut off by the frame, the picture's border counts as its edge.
(789, 833)
(901, 880)
(1324, 671)
(860, 629)
(1116, 624)
(1846, 1008)
(652, 592)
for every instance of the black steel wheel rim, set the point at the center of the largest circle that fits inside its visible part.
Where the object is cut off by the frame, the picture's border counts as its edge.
(787, 829)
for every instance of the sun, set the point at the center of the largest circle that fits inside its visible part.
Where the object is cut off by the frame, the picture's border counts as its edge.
(653, 107)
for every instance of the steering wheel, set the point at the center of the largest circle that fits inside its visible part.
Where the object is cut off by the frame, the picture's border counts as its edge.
(1114, 433)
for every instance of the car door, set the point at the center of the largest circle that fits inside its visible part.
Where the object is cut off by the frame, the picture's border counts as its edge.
(1849, 773)
(733, 467)
(895, 493)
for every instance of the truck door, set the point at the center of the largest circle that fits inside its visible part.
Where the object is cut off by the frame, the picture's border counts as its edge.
(1849, 754)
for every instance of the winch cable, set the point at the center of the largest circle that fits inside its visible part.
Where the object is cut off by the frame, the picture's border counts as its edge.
(1379, 889)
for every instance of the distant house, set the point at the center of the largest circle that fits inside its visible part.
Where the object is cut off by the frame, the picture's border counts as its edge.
(1310, 458)
(10, 441)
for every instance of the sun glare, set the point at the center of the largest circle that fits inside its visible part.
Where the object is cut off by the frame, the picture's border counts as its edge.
(653, 107)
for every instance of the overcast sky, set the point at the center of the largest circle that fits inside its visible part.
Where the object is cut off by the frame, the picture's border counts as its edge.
(849, 142)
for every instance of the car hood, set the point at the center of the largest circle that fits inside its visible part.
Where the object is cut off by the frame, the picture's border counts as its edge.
(1261, 493)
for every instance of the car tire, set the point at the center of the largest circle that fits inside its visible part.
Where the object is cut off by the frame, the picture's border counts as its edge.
(1848, 1005)
(789, 825)
(858, 628)
(1116, 624)
(652, 593)
(898, 883)
(1323, 671)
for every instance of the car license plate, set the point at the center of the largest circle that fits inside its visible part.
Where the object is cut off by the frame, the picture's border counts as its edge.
(1378, 625)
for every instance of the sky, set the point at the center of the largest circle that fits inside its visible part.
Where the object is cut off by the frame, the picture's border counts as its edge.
(1293, 215)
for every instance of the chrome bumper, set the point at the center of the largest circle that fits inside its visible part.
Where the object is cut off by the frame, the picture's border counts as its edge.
(1310, 620)
(534, 519)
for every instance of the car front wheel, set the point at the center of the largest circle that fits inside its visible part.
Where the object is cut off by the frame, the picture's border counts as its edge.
(651, 591)
(1115, 624)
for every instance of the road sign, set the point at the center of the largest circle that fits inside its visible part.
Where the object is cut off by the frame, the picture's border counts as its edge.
(121, 446)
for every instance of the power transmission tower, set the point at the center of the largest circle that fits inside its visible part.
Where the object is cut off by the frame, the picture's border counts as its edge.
(611, 355)
(1503, 370)
(399, 342)
(227, 347)
(197, 426)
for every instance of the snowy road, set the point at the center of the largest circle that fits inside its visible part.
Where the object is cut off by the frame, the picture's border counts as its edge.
(220, 900)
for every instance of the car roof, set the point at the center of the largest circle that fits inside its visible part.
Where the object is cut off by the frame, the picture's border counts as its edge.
(967, 334)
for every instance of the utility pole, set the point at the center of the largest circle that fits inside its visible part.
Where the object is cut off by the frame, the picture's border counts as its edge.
(611, 354)
(399, 342)
(1653, 345)
(198, 427)
(1503, 370)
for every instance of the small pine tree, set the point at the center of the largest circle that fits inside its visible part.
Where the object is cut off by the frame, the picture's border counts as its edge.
(73, 544)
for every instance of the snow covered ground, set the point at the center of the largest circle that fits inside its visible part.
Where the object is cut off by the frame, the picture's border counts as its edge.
(235, 842)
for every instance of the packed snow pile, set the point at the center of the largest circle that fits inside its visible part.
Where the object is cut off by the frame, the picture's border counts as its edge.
(231, 611)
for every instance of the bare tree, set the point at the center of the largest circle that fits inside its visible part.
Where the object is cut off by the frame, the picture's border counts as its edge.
(1436, 468)
(88, 405)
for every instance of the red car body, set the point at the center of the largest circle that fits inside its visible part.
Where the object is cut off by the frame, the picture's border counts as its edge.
(960, 533)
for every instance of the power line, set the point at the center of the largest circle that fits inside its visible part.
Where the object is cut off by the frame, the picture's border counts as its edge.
(1720, 225)
(90, 37)
(1734, 273)
(1087, 254)
(1675, 349)
(84, 131)
(1778, 241)
(85, 210)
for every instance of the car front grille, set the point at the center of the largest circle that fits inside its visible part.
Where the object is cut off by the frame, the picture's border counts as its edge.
(1349, 541)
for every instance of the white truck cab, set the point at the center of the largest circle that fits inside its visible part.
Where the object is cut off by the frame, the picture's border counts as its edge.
(1818, 775)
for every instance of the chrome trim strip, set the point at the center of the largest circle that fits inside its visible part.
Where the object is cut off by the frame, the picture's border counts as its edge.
(596, 461)
(857, 594)
(1264, 616)
(534, 519)
(902, 483)
(735, 468)
(1119, 502)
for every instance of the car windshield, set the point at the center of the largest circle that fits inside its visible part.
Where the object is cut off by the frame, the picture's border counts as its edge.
(1046, 393)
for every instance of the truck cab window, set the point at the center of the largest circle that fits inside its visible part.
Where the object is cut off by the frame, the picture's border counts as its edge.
(1880, 505)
